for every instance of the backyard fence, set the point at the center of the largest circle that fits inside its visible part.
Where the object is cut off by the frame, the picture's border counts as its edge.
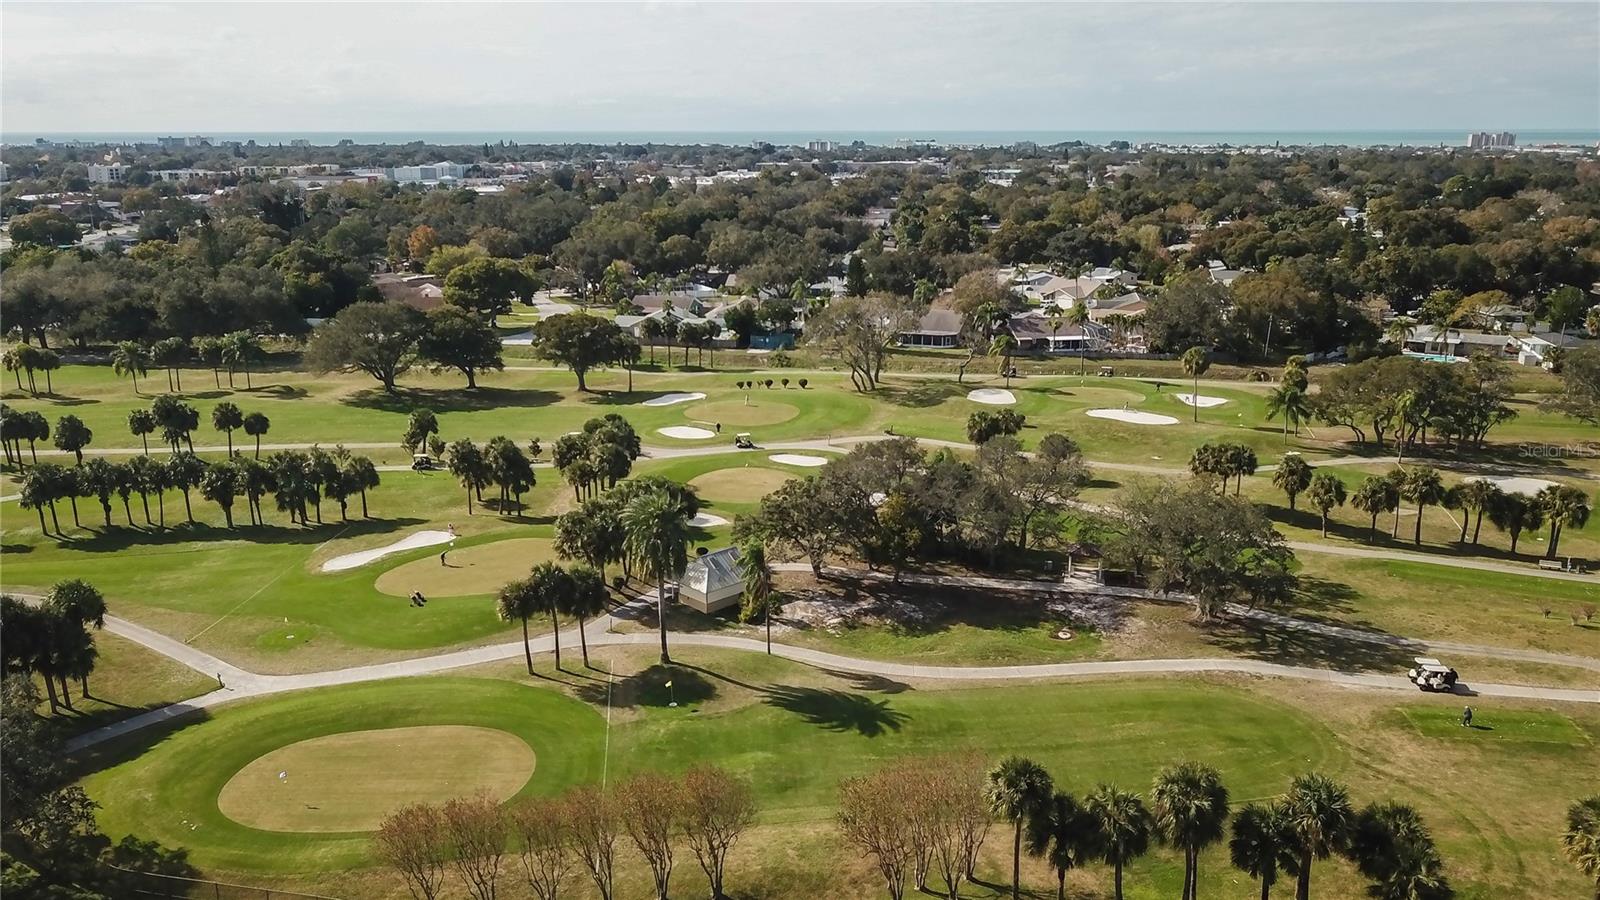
(146, 884)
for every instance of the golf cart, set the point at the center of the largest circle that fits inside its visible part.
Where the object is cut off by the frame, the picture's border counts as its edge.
(743, 442)
(1432, 675)
(422, 462)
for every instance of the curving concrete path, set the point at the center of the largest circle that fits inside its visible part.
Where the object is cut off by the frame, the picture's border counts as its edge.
(237, 684)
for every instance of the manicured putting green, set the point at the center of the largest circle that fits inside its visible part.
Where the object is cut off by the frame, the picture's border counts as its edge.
(479, 569)
(350, 781)
(1516, 726)
(737, 412)
(739, 485)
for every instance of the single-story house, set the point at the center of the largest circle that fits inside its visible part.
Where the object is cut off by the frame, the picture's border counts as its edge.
(1458, 342)
(1534, 349)
(936, 328)
(690, 303)
(1109, 275)
(1035, 333)
(712, 582)
(1132, 305)
(423, 292)
(1223, 275)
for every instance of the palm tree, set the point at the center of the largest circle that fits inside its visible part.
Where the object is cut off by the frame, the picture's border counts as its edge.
(1581, 840)
(1515, 513)
(1325, 493)
(1018, 789)
(758, 593)
(1191, 807)
(38, 492)
(587, 598)
(1122, 828)
(552, 586)
(1259, 842)
(255, 425)
(1400, 330)
(238, 349)
(225, 417)
(1079, 315)
(147, 475)
(1292, 477)
(520, 600)
(220, 484)
(1290, 402)
(1003, 346)
(1391, 846)
(467, 464)
(657, 539)
(184, 471)
(1059, 831)
(1318, 818)
(1422, 486)
(1195, 364)
(130, 359)
(1562, 506)
(142, 423)
(1479, 497)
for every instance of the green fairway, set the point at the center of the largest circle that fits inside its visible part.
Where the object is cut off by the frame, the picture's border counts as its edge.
(795, 732)
(796, 740)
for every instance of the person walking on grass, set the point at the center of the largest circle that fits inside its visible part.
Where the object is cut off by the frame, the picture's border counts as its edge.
(1466, 717)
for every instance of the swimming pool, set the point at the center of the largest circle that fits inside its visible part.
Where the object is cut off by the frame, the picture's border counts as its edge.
(1435, 357)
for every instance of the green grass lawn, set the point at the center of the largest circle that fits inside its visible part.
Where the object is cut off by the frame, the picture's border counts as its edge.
(127, 680)
(1493, 797)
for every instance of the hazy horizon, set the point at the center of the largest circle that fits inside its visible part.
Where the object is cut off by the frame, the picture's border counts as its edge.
(689, 68)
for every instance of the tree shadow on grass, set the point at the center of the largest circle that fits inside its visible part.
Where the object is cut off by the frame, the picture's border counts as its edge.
(119, 537)
(920, 395)
(836, 710)
(1275, 642)
(649, 688)
(133, 745)
(451, 400)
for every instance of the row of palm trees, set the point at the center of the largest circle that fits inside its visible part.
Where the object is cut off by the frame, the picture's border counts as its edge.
(1189, 809)
(500, 463)
(26, 358)
(234, 352)
(54, 639)
(298, 481)
(1560, 506)
(1224, 462)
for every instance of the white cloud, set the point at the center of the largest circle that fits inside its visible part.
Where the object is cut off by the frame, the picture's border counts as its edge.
(683, 67)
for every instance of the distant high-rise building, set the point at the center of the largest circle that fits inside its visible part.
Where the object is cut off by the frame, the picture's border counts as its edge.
(1489, 140)
(823, 146)
(111, 174)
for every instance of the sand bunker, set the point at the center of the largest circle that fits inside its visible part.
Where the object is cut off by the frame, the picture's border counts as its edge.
(992, 396)
(1201, 400)
(687, 432)
(798, 459)
(1132, 417)
(1512, 485)
(707, 520)
(409, 542)
(520, 339)
(669, 399)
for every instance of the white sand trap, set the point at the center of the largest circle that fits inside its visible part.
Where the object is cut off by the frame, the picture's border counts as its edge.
(754, 351)
(1133, 417)
(520, 339)
(669, 399)
(798, 459)
(707, 520)
(687, 432)
(992, 396)
(1512, 485)
(409, 542)
(1201, 400)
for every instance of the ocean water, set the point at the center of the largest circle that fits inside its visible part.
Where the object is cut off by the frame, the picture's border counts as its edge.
(1421, 138)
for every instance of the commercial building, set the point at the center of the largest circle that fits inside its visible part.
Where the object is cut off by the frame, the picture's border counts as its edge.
(1490, 140)
(112, 173)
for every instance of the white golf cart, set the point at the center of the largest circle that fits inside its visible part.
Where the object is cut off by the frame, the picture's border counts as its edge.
(743, 441)
(1432, 675)
(422, 462)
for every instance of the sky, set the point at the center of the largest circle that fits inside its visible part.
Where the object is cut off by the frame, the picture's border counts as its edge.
(239, 67)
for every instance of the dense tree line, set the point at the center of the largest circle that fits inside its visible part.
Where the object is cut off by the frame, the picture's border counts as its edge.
(1406, 399)
(1446, 234)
